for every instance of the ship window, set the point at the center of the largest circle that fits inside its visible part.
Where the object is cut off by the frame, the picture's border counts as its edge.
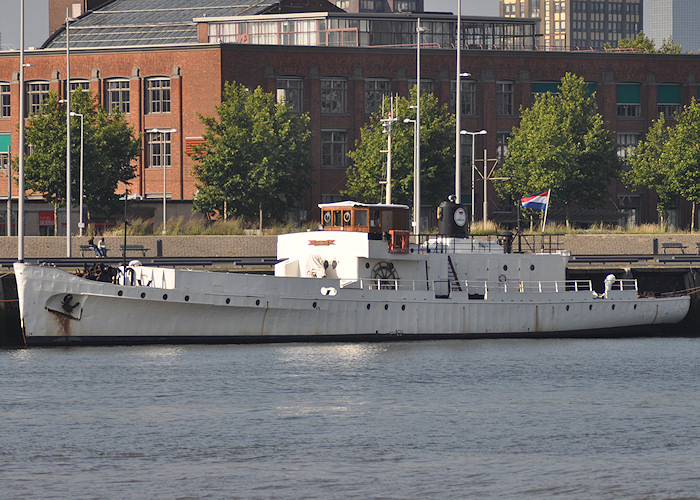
(361, 218)
(374, 218)
(337, 218)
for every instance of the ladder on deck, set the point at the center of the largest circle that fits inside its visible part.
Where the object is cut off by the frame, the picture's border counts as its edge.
(455, 285)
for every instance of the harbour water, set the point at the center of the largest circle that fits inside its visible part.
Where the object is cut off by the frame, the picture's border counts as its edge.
(449, 419)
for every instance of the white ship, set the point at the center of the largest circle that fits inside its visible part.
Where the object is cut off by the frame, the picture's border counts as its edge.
(361, 277)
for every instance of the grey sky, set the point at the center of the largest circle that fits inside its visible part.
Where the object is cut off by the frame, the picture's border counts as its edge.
(37, 18)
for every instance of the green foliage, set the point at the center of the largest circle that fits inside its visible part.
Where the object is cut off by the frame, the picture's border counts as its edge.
(646, 166)
(670, 47)
(109, 146)
(255, 156)
(561, 144)
(668, 159)
(437, 154)
(682, 151)
(641, 43)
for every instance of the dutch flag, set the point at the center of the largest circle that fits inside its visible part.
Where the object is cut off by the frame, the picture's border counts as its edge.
(538, 202)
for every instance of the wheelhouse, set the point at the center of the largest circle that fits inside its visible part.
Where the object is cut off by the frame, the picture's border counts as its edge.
(363, 218)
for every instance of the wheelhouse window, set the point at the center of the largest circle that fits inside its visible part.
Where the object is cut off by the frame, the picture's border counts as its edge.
(118, 96)
(158, 95)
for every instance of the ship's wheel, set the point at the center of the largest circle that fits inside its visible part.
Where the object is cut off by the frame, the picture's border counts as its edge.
(386, 273)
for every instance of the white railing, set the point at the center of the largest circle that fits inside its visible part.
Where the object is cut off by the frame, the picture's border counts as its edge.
(483, 287)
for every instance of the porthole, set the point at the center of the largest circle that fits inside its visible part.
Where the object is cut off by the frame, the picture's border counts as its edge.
(228, 301)
(567, 308)
(143, 295)
(120, 293)
(314, 305)
(532, 267)
(257, 302)
(613, 307)
(165, 296)
(635, 307)
(386, 307)
(505, 268)
(366, 265)
(368, 306)
(187, 298)
(403, 307)
(590, 307)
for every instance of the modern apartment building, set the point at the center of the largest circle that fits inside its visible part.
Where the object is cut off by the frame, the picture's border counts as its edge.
(579, 24)
(677, 19)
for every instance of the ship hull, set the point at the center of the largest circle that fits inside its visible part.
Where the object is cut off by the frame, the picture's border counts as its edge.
(179, 306)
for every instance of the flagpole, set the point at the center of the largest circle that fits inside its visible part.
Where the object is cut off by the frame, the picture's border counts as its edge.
(546, 208)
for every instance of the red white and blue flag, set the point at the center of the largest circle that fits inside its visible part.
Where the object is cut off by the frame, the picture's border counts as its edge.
(538, 202)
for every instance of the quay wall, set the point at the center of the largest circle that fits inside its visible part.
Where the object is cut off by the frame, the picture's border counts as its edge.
(259, 246)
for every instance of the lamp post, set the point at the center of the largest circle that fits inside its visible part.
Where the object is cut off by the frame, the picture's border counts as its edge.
(162, 132)
(416, 138)
(458, 107)
(473, 134)
(416, 170)
(81, 224)
(68, 117)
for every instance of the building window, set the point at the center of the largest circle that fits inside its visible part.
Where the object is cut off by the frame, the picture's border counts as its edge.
(5, 109)
(334, 96)
(118, 96)
(82, 85)
(668, 99)
(334, 148)
(37, 92)
(426, 86)
(291, 91)
(468, 96)
(502, 139)
(4, 161)
(375, 91)
(158, 96)
(504, 98)
(628, 100)
(625, 142)
(158, 150)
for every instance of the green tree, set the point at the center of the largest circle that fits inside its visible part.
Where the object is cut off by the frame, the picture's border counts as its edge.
(648, 169)
(109, 146)
(682, 152)
(669, 46)
(365, 175)
(561, 144)
(255, 156)
(641, 43)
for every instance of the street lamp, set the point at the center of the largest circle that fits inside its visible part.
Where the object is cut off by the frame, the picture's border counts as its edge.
(68, 116)
(473, 134)
(162, 132)
(416, 169)
(81, 224)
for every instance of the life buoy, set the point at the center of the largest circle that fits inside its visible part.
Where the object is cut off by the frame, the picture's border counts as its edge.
(326, 218)
(346, 217)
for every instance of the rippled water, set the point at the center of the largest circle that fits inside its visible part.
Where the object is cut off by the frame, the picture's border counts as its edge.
(447, 419)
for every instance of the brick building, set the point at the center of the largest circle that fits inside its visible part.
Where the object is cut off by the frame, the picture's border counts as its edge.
(166, 85)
